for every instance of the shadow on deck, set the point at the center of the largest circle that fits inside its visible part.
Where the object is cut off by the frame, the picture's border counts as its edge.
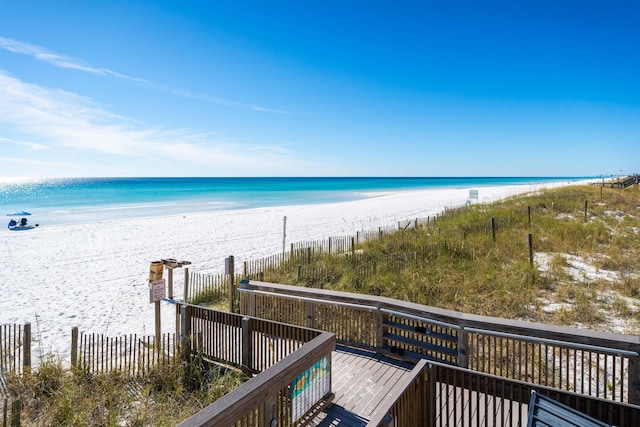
(361, 380)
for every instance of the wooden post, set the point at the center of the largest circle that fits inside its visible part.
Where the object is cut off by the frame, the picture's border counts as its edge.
(268, 413)
(246, 343)
(252, 304)
(284, 234)
(329, 245)
(431, 388)
(170, 280)
(158, 327)
(232, 288)
(310, 315)
(463, 349)
(74, 347)
(634, 380)
(309, 255)
(185, 297)
(380, 318)
(357, 237)
(493, 228)
(585, 209)
(26, 361)
(16, 409)
(353, 246)
(530, 247)
(185, 333)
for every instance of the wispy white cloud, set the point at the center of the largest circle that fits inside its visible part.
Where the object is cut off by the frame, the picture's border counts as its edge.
(30, 146)
(68, 62)
(64, 125)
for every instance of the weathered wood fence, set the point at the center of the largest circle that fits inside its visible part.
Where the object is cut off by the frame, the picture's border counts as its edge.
(132, 354)
(15, 349)
(293, 365)
(597, 364)
(15, 359)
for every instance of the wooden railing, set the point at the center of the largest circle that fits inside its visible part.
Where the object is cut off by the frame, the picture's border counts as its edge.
(593, 363)
(131, 354)
(293, 365)
(437, 394)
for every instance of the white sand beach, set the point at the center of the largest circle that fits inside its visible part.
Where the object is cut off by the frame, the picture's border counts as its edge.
(94, 275)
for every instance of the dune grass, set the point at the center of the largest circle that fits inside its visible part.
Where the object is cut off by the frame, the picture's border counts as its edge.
(52, 395)
(592, 270)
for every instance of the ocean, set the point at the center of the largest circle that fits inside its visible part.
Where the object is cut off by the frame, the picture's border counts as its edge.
(78, 200)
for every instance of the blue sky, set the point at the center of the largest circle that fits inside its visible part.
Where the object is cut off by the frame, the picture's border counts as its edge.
(319, 88)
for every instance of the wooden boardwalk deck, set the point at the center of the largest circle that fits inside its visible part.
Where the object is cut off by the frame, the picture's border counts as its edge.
(360, 381)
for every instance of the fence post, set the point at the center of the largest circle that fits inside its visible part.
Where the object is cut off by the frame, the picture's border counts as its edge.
(353, 246)
(267, 413)
(329, 245)
(430, 407)
(246, 343)
(634, 380)
(26, 361)
(493, 228)
(16, 409)
(185, 297)
(185, 332)
(463, 349)
(252, 304)
(310, 315)
(585, 209)
(74, 346)
(380, 329)
(232, 289)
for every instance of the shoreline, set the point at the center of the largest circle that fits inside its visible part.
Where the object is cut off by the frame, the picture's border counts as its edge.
(94, 275)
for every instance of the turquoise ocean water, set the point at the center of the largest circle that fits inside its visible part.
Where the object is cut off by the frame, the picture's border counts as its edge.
(75, 200)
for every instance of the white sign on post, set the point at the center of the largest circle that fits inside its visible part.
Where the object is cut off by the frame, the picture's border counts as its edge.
(156, 292)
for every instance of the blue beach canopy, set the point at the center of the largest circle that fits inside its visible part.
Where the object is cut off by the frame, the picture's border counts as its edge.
(21, 213)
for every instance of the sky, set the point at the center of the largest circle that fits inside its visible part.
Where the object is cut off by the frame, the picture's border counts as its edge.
(319, 88)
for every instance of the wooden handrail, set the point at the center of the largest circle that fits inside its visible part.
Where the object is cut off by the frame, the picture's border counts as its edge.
(253, 394)
(514, 349)
(519, 327)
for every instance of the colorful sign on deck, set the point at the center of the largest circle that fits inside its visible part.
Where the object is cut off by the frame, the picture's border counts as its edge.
(308, 388)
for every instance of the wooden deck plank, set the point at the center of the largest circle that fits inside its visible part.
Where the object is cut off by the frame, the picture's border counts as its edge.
(360, 380)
